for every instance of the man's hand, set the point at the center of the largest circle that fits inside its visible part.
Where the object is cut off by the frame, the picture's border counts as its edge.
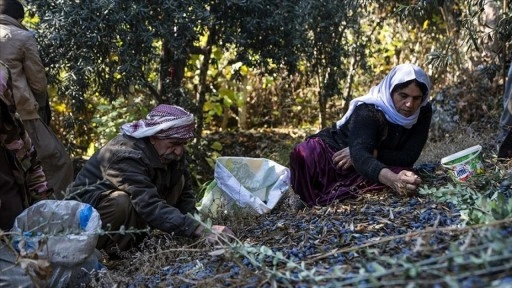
(212, 236)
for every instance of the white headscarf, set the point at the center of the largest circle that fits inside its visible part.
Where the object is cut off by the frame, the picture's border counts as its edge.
(380, 95)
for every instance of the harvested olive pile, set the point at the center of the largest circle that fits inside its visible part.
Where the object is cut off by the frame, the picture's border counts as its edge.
(377, 240)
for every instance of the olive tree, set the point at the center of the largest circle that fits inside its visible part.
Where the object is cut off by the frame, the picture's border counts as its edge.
(104, 50)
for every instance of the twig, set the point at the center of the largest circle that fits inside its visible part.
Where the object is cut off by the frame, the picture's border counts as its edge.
(177, 250)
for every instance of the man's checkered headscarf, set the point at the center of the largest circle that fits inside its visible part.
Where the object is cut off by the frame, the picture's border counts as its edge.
(164, 122)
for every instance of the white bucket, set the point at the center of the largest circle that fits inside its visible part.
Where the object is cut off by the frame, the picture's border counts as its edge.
(464, 164)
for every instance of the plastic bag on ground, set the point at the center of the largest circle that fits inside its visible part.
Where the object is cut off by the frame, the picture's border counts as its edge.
(242, 184)
(65, 233)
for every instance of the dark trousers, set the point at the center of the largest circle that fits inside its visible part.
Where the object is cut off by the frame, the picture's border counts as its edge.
(116, 211)
(11, 202)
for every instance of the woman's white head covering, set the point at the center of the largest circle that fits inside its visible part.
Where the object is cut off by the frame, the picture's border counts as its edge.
(380, 95)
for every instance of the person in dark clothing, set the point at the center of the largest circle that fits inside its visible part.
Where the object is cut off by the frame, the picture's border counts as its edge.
(140, 178)
(373, 146)
(505, 127)
(20, 52)
(22, 180)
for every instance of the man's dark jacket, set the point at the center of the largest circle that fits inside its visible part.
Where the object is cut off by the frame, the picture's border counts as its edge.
(133, 166)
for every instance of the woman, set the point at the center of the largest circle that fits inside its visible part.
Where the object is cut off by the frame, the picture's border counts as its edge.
(372, 147)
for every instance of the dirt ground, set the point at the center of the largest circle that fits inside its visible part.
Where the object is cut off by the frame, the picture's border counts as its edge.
(341, 244)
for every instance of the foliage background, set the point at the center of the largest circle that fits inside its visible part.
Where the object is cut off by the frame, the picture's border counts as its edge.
(252, 64)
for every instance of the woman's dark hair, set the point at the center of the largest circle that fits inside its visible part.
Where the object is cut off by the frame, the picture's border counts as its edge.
(12, 8)
(423, 87)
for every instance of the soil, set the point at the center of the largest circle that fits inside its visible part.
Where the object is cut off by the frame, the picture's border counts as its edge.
(343, 244)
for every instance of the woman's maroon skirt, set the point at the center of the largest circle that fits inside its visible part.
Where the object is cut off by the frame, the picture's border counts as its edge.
(316, 180)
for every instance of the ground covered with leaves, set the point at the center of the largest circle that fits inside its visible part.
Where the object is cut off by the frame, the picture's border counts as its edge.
(446, 235)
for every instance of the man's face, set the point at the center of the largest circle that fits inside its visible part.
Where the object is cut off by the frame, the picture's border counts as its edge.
(169, 149)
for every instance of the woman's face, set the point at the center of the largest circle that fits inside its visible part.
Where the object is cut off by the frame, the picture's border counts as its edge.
(407, 100)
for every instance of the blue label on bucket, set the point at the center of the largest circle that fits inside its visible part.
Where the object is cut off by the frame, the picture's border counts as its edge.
(462, 172)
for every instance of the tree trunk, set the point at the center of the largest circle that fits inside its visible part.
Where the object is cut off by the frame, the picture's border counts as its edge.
(504, 54)
(203, 72)
(225, 119)
(322, 105)
(242, 109)
(163, 77)
(350, 81)
(172, 72)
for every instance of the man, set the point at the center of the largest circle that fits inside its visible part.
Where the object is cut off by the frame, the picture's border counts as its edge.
(505, 135)
(19, 51)
(22, 181)
(506, 117)
(140, 178)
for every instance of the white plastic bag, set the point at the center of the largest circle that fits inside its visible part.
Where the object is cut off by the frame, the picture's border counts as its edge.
(63, 231)
(253, 185)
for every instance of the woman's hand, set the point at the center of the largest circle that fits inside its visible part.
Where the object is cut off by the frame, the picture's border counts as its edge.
(403, 182)
(341, 159)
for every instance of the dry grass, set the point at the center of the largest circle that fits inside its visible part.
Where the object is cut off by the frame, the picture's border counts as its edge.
(464, 137)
